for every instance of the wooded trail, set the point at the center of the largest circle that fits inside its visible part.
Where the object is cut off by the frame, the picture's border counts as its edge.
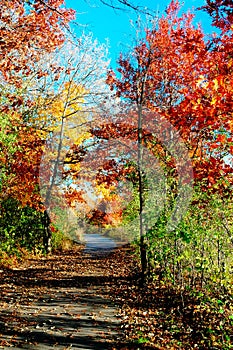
(62, 301)
(86, 300)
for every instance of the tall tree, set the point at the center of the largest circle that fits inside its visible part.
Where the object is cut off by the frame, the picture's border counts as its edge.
(174, 73)
(28, 30)
(161, 65)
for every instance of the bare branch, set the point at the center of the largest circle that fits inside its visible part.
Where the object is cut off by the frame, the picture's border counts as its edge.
(122, 5)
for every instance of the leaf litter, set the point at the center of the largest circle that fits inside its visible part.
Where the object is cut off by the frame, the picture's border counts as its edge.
(84, 301)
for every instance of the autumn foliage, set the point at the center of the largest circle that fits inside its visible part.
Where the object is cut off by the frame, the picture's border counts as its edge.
(143, 151)
(174, 74)
(28, 29)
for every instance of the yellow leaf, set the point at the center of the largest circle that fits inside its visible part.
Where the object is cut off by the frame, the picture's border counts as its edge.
(215, 81)
(213, 101)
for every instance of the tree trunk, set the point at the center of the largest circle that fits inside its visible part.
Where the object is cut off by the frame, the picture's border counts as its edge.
(47, 233)
(143, 253)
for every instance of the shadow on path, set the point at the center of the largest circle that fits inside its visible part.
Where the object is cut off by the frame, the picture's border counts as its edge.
(59, 303)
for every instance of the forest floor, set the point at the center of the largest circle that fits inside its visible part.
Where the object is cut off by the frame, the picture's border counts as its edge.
(61, 301)
(78, 300)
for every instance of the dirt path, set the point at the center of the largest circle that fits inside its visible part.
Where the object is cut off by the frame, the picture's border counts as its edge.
(62, 302)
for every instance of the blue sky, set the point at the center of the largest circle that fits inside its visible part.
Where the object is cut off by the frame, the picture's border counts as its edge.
(106, 23)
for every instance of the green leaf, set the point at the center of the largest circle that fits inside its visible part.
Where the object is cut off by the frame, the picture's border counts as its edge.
(142, 340)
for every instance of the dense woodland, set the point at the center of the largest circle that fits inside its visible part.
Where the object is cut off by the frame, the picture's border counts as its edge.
(142, 152)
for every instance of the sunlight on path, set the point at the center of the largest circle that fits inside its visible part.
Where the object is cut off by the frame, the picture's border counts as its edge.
(64, 319)
(60, 302)
(98, 243)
